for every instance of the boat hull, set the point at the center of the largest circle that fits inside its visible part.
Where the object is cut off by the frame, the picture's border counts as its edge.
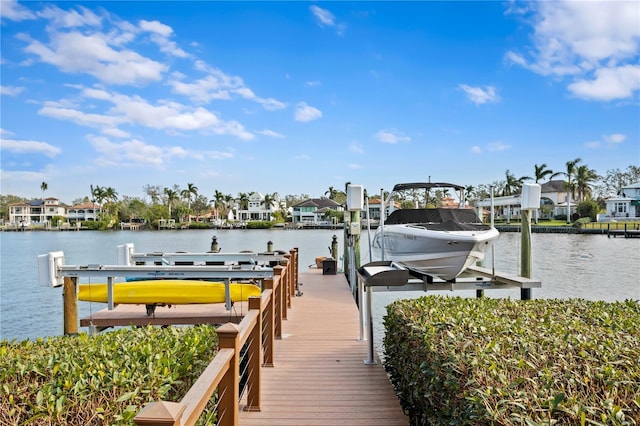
(441, 254)
(167, 292)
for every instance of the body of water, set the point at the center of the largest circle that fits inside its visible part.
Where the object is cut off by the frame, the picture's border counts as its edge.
(591, 267)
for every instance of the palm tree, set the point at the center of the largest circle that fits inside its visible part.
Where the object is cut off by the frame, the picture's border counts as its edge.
(187, 193)
(43, 188)
(542, 172)
(98, 195)
(218, 203)
(571, 169)
(512, 186)
(243, 203)
(584, 178)
(268, 202)
(332, 192)
(171, 197)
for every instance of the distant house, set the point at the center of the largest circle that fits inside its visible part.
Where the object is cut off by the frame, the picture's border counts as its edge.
(35, 211)
(553, 199)
(313, 210)
(624, 206)
(83, 212)
(375, 209)
(256, 209)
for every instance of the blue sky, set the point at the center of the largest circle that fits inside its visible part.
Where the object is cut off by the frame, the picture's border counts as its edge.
(296, 97)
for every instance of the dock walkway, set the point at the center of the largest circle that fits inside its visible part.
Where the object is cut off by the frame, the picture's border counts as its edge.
(319, 376)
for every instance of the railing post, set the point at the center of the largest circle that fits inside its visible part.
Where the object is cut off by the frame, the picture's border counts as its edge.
(269, 327)
(160, 413)
(254, 382)
(294, 268)
(281, 296)
(288, 277)
(229, 388)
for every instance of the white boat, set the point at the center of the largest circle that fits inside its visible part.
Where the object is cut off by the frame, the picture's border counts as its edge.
(438, 242)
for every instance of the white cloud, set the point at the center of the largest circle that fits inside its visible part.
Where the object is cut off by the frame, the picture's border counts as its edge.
(156, 27)
(10, 9)
(29, 147)
(11, 90)
(479, 95)
(595, 43)
(134, 110)
(608, 84)
(302, 157)
(306, 112)
(498, 146)
(592, 144)
(74, 52)
(312, 83)
(476, 149)
(614, 138)
(354, 166)
(391, 136)
(324, 17)
(271, 133)
(218, 85)
(135, 152)
(71, 18)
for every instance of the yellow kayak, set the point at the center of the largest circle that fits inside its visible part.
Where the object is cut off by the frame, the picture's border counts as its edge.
(167, 292)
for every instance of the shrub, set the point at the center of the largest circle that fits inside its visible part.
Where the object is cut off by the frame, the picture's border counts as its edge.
(261, 224)
(581, 222)
(103, 379)
(496, 361)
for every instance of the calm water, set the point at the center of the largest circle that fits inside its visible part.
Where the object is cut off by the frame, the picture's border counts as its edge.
(586, 266)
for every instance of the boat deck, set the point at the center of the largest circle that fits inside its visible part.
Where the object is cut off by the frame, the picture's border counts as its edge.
(319, 375)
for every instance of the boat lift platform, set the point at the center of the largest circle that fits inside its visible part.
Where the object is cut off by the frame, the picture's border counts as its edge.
(390, 276)
(473, 278)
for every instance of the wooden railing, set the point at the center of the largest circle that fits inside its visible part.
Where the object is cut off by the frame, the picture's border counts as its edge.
(258, 330)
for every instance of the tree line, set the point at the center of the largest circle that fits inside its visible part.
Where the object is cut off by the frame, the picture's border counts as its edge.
(183, 204)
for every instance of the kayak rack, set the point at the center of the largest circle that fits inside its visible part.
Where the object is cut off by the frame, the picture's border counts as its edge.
(127, 256)
(210, 266)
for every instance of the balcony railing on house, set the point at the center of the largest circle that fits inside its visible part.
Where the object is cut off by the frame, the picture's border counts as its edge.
(235, 371)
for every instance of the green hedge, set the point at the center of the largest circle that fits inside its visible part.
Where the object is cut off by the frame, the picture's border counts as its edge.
(460, 361)
(103, 379)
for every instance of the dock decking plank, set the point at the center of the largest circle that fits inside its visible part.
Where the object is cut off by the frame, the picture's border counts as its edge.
(319, 375)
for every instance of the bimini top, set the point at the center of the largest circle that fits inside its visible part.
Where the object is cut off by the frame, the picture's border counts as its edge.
(425, 185)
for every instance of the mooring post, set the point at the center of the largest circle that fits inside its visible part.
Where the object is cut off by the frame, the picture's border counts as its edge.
(269, 246)
(334, 247)
(70, 301)
(525, 251)
(214, 244)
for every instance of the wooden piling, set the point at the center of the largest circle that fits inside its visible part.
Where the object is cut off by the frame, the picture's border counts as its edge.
(70, 302)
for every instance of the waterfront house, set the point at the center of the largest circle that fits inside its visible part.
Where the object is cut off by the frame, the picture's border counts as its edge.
(83, 212)
(35, 212)
(624, 206)
(256, 208)
(313, 210)
(375, 208)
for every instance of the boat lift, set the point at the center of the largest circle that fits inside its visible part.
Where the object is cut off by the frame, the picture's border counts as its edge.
(213, 266)
(390, 276)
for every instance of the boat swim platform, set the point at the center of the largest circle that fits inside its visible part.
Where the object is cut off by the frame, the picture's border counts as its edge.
(319, 375)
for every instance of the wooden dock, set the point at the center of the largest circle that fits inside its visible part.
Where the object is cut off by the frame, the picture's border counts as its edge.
(319, 375)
